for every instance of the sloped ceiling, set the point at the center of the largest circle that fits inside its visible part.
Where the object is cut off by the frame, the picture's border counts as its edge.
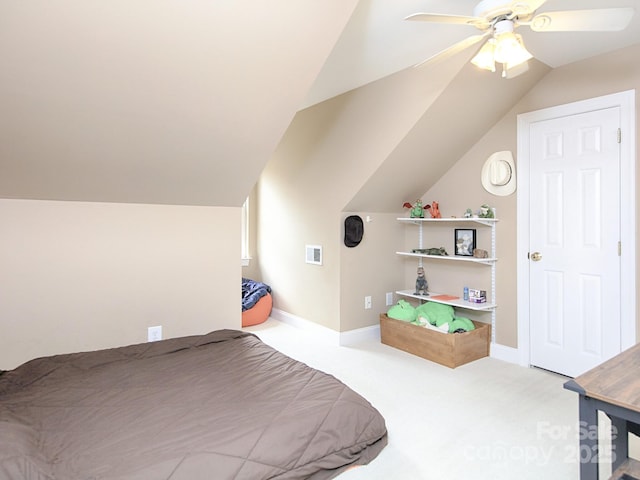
(153, 101)
(184, 101)
(470, 105)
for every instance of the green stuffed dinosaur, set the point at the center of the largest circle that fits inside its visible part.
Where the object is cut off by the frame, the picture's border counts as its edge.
(442, 316)
(402, 310)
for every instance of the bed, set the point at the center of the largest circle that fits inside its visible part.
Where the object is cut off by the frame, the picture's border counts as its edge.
(222, 405)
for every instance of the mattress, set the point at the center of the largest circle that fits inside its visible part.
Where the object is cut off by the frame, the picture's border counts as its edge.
(217, 406)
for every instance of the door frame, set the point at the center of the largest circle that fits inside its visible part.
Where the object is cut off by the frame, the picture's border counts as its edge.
(626, 101)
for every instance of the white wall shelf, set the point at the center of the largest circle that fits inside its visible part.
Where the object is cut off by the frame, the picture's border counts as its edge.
(486, 261)
(491, 304)
(456, 302)
(489, 222)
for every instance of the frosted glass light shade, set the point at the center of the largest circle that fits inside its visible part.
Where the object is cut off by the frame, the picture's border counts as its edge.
(510, 50)
(485, 57)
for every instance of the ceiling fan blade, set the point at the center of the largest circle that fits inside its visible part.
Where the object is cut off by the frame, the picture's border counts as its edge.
(520, 7)
(455, 48)
(599, 20)
(493, 9)
(451, 19)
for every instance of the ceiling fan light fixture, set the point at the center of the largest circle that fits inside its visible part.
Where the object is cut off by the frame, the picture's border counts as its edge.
(511, 50)
(485, 57)
(505, 47)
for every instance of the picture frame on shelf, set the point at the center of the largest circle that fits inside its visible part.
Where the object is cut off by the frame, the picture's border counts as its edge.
(464, 241)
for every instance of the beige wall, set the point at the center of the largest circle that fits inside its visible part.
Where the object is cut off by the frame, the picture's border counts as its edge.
(325, 165)
(329, 151)
(286, 224)
(318, 166)
(611, 73)
(82, 276)
(370, 269)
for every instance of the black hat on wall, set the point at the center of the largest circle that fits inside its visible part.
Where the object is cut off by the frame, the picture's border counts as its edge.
(353, 230)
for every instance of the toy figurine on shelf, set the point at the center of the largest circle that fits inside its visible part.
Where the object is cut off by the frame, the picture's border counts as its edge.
(486, 211)
(416, 210)
(434, 210)
(421, 283)
(468, 213)
(440, 251)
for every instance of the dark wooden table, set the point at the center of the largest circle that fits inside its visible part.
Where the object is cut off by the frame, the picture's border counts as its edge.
(613, 388)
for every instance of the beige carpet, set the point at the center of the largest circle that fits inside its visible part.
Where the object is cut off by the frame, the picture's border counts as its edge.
(487, 420)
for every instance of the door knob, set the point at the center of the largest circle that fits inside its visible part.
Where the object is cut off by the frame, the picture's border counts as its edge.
(536, 256)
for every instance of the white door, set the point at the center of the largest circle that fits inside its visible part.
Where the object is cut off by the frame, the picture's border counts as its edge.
(574, 274)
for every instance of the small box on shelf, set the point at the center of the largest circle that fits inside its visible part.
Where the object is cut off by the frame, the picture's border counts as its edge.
(448, 349)
(477, 296)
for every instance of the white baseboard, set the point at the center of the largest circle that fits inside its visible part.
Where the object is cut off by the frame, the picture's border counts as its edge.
(325, 334)
(507, 354)
(353, 337)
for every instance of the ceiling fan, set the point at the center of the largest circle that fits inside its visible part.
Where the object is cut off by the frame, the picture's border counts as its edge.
(498, 20)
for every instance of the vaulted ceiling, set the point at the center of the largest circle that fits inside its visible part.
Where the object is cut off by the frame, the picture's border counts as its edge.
(184, 101)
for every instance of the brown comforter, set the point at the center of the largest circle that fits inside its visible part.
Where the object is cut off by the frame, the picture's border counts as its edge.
(217, 406)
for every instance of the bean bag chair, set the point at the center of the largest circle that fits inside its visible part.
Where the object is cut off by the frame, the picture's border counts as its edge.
(256, 302)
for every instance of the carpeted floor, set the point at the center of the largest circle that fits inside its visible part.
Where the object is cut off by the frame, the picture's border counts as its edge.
(487, 420)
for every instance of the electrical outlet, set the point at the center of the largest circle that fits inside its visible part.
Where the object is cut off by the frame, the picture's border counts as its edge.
(389, 298)
(367, 302)
(154, 333)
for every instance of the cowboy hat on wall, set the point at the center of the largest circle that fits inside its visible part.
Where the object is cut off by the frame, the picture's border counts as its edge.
(499, 174)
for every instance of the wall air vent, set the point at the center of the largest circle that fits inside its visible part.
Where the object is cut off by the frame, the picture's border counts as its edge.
(313, 254)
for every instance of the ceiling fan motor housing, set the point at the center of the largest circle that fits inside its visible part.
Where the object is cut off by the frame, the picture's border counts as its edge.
(491, 9)
(503, 26)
